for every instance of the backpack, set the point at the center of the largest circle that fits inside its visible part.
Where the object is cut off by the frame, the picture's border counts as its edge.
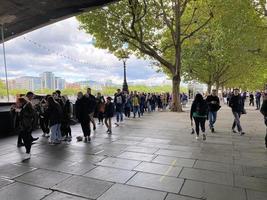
(202, 109)
(119, 99)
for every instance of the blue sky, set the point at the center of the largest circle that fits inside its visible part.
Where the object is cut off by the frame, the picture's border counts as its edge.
(26, 58)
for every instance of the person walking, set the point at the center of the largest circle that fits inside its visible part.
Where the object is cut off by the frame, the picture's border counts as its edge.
(82, 114)
(100, 108)
(136, 104)
(128, 106)
(119, 101)
(25, 113)
(264, 113)
(109, 113)
(198, 112)
(251, 99)
(258, 100)
(91, 101)
(55, 115)
(237, 104)
(213, 102)
(65, 125)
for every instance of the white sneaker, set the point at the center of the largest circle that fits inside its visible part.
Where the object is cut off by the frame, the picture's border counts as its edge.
(197, 137)
(26, 156)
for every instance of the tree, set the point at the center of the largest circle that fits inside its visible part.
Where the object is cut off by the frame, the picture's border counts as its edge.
(221, 53)
(144, 24)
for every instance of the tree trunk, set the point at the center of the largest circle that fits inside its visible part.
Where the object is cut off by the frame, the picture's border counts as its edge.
(176, 103)
(217, 87)
(209, 87)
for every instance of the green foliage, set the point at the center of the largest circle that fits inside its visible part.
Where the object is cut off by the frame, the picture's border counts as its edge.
(221, 53)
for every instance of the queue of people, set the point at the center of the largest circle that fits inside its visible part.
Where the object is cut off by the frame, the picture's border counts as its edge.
(53, 113)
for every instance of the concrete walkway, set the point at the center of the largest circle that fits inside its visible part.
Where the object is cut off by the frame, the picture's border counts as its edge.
(153, 158)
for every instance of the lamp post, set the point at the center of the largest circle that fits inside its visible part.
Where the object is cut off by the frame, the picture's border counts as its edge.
(125, 85)
(4, 55)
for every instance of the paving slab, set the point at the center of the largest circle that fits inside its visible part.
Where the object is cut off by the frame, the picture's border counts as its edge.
(255, 195)
(207, 176)
(83, 186)
(110, 174)
(141, 149)
(220, 167)
(43, 178)
(174, 161)
(62, 196)
(20, 191)
(210, 191)
(156, 182)
(137, 156)
(123, 192)
(119, 163)
(160, 169)
(258, 184)
(178, 197)
(4, 182)
(259, 172)
(12, 170)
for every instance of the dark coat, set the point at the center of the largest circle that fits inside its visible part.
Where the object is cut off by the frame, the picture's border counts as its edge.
(109, 110)
(264, 108)
(237, 104)
(54, 114)
(91, 103)
(82, 109)
(26, 117)
(200, 108)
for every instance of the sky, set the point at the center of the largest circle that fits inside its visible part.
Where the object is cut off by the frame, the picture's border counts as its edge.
(38, 51)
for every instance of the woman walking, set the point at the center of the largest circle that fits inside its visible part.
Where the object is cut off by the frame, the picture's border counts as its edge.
(100, 106)
(55, 115)
(65, 126)
(199, 111)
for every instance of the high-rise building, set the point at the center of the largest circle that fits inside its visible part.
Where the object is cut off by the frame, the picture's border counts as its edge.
(48, 80)
(59, 83)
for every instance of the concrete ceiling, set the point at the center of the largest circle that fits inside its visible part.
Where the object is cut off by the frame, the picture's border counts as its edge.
(22, 16)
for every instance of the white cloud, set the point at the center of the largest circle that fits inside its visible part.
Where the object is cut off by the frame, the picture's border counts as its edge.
(25, 57)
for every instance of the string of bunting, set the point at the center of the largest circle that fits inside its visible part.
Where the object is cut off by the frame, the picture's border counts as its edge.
(40, 46)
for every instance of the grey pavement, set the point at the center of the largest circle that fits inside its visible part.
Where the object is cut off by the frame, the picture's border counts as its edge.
(152, 158)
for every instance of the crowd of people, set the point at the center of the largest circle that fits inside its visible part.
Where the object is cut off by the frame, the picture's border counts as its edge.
(53, 113)
(203, 109)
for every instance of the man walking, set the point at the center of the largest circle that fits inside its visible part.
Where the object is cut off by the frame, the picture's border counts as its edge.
(213, 106)
(119, 101)
(237, 105)
(258, 100)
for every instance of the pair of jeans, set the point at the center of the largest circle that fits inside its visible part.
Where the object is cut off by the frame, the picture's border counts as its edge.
(136, 109)
(258, 103)
(119, 116)
(236, 122)
(55, 133)
(200, 122)
(212, 118)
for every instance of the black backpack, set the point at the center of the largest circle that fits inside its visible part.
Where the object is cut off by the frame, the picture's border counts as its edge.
(202, 108)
